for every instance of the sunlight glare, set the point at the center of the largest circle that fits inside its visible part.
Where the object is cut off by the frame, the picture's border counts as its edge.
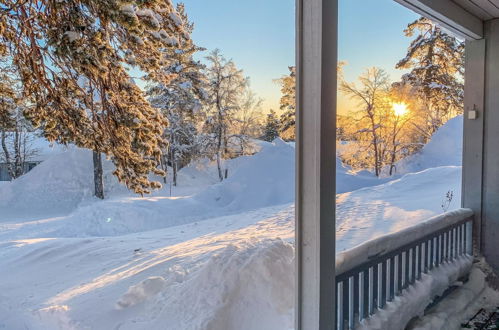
(400, 109)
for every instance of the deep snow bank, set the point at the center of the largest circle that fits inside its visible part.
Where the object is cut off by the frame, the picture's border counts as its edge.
(264, 179)
(261, 180)
(370, 212)
(56, 186)
(242, 287)
(444, 149)
(348, 180)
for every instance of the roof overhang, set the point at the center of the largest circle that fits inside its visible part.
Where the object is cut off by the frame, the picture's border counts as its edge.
(449, 14)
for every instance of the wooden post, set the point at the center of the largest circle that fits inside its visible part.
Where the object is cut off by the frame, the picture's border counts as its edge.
(315, 160)
(490, 204)
(474, 86)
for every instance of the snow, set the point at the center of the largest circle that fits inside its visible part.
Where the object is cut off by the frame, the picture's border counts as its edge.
(349, 259)
(415, 298)
(144, 290)
(444, 149)
(460, 305)
(205, 255)
(348, 180)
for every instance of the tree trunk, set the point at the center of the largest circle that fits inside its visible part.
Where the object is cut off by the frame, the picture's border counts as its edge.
(174, 173)
(164, 166)
(219, 150)
(18, 164)
(98, 182)
(375, 143)
(219, 166)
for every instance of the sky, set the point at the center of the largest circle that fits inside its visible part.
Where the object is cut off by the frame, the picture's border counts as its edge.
(259, 36)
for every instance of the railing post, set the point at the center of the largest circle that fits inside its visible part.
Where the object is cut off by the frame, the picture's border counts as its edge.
(469, 238)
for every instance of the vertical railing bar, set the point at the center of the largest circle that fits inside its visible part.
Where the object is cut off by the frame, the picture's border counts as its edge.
(398, 274)
(384, 286)
(441, 253)
(469, 242)
(445, 247)
(366, 294)
(389, 279)
(356, 298)
(438, 258)
(361, 296)
(459, 240)
(452, 243)
(463, 230)
(461, 246)
(351, 308)
(424, 254)
(407, 280)
(371, 291)
(449, 248)
(449, 234)
(339, 307)
(404, 271)
(346, 302)
(431, 253)
(411, 266)
(464, 238)
(418, 262)
(380, 279)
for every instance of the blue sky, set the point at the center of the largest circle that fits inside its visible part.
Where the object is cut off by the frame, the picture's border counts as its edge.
(259, 36)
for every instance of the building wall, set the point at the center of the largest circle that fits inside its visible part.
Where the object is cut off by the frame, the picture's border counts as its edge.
(4, 173)
(490, 190)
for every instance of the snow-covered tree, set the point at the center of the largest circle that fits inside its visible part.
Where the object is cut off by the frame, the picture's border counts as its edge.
(245, 125)
(288, 104)
(371, 97)
(181, 99)
(272, 125)
(15, 136)
(57, 44)
(436, 61)
(225, 90)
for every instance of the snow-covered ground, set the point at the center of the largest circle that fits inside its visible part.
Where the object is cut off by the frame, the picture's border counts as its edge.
(205, 255)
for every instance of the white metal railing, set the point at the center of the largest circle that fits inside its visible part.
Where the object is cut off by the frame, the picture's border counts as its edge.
(375, 272)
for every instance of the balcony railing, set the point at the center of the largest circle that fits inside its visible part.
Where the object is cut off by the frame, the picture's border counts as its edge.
(372, 274)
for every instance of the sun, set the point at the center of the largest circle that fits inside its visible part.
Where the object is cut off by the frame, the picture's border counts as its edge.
(400, 109)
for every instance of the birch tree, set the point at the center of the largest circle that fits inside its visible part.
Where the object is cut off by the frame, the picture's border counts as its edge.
(226, 85)
(370, 95)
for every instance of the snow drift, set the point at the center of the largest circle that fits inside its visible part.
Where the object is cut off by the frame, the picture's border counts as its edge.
(444, 149)
(242, 287)
(266, 178)
(56, 186)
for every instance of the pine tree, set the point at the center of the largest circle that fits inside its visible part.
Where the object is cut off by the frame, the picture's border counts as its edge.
(288, 104)
(225, 90)
(272, 125)
(57, 45)
(181, 99)
(436, 60)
